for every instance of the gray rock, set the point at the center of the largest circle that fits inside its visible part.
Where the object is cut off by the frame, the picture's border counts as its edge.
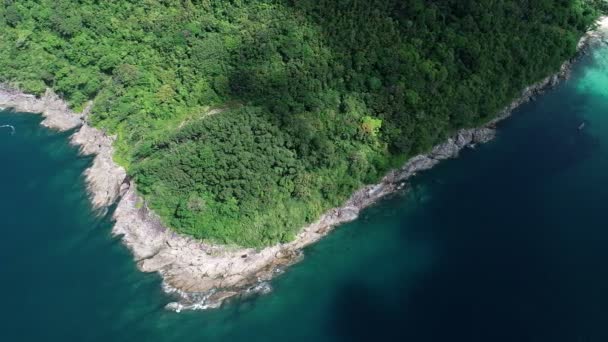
(483, 135)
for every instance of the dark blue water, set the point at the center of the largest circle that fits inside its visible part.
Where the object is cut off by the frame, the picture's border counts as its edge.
(507, 243)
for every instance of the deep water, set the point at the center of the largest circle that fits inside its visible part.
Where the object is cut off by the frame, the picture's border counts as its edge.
(507, 243)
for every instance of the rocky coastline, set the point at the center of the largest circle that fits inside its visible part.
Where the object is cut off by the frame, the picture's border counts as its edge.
(202, 275)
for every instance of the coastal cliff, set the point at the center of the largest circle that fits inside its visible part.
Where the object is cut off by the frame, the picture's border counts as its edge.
(202, 275)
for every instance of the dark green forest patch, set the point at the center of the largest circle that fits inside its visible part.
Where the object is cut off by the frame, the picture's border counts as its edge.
(317, 98)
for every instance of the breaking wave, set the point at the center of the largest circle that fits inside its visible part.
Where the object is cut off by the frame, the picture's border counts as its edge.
(205, 300)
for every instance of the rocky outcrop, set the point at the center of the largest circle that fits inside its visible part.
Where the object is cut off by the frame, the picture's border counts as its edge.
(57, 115)
(105, 179)
(202, 275)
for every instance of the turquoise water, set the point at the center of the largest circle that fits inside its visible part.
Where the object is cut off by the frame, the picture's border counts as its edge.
(507, 243)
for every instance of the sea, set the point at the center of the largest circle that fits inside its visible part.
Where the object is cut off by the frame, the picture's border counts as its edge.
(508, 242)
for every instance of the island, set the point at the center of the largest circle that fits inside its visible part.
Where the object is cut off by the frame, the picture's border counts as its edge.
(231, 135)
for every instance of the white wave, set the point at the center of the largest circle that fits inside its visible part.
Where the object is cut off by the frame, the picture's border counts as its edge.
(201, 300)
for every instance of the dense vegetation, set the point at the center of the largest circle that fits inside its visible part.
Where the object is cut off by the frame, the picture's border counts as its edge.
(243, 120)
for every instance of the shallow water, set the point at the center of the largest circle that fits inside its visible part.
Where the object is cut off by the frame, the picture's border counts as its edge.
(507, 243)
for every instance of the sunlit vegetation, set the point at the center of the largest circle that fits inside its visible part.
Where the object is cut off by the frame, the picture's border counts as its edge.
(241, 121)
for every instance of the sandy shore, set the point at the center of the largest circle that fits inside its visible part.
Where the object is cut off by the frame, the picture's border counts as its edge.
(202, 275)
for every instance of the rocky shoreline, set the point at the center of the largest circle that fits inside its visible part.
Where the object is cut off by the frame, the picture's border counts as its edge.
(203, 275)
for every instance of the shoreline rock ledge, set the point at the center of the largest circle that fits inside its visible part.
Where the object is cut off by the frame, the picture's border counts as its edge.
(202, 275)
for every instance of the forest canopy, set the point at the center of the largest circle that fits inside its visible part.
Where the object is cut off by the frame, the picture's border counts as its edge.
(241, 121)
